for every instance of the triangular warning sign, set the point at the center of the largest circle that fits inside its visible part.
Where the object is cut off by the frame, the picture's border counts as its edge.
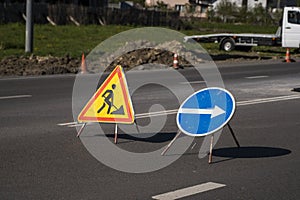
(111, 103)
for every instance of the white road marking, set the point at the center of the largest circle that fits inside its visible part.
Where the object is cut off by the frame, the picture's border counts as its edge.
(137, 116)
(67, 123)
(80, 124)
(177, 194)
(16, 96)
(155, 114)
(75, 125)
(193, 82)
(174, 111)
(38, 77)
(268, 100)
(256, 77)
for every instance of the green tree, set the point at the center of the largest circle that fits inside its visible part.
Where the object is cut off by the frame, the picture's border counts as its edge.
(226, 10)
(211, 15)
(259, 15)
(242, 14)
(161, 5)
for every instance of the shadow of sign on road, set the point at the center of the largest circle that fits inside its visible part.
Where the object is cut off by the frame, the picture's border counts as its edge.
(157, 138)
(249, 152)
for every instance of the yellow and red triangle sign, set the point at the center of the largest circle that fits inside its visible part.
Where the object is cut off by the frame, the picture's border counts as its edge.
(111, 103)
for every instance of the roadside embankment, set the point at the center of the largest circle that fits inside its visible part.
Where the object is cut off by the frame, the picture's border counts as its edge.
(36, 65)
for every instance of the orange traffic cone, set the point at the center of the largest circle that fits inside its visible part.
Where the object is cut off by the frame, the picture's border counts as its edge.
(287, 56)
(175, 61)
(83, 64)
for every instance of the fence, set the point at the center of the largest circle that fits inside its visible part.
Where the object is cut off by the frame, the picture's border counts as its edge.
(60, 14)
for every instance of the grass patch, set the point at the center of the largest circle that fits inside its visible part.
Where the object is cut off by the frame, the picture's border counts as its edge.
(212, 27)
(73, 40)
(55, 41)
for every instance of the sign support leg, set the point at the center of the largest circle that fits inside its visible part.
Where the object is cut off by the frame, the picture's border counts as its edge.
(137, 127)
(233, 135)
(116, 133)
(210, 149)
(81, 129)
(170, 144)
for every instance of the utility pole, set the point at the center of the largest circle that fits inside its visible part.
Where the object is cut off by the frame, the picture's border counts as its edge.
(29, 27)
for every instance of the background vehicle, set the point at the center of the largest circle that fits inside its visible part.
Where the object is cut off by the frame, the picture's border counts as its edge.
(287, 35)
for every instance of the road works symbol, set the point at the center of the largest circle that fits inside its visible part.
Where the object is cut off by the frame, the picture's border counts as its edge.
(109, 100)
(111, 103)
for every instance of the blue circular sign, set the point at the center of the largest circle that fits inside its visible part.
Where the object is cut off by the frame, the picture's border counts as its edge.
(206, 111)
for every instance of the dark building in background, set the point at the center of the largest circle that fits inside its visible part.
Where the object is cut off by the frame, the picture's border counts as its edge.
(281, 3)
(88, 3)
(84, 11)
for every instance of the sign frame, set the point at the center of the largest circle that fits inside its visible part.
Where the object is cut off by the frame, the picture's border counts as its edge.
(118, 71)
(220, 126)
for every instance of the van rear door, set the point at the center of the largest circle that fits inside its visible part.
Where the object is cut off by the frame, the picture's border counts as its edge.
(291, 27)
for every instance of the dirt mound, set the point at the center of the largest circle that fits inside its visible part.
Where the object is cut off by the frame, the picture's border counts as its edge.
(36, 65)
(128, 56)
(143, 52)
(131, 55)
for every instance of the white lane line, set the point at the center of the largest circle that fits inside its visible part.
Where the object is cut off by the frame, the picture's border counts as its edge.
(193, 82)
(80, 124)
(16, 96)
(76, 125)
(155, 114)
(67, 123)
(137, 116)
(177, 194)
(268, 100)
(174, 111)
(256, 77)
(38, 77)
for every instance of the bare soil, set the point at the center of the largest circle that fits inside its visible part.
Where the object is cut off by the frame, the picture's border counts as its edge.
(35, 65)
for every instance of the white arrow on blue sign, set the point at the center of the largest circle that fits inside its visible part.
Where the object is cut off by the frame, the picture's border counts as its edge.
(206, 111)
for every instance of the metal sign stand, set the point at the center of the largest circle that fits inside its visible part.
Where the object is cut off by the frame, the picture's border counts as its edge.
(170, 144)
(136, 125)
(116, 130)
(211, 148)
(211, 143)
(116, 133)
(233, 135)
(81, 129)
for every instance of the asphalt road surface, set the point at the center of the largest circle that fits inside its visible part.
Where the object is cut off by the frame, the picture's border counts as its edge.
(41, 158)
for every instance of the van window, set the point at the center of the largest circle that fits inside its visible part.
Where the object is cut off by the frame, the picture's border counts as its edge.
(294, 17)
